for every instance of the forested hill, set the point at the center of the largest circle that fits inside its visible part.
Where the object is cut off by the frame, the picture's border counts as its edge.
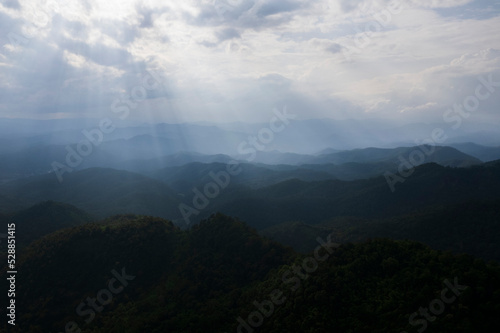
(106, 192)
(469, 227)
(163, 279)
(315, 202)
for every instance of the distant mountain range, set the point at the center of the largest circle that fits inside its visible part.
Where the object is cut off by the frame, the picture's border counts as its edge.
(101, 192)
(29, 147)
(262, 197)
(146, 154)
(485, 154)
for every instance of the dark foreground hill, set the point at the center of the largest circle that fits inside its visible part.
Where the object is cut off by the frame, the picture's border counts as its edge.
(141, 274)
(182, 271)
(45, 218)
(470, 227)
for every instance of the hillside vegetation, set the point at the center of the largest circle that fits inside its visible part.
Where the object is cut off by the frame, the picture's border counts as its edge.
(206, 278)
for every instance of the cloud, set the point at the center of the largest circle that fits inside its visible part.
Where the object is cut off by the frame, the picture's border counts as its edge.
(238, 59)
(14, 4)
(219, 12)
(334, 48)
(440, 3)
(208, 44)
(227, 33)
(368, 6)
(147, 19)
(149, 14)
(274, 81)
(274, 7)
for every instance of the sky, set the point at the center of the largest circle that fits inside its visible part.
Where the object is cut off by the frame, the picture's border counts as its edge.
(237, 60)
